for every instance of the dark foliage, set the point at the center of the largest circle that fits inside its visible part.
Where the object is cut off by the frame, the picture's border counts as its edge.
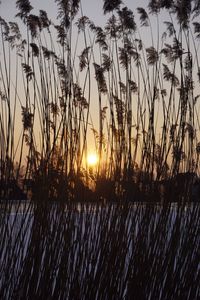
(24, 8)
(166, 4)
(67, 10)
(83, 58)
(61, 34)
(144, 19)
(99, 75)
(45, 22)
(167, 75)
(127, 19)
(197, 29)
(183, 9)
(34, 24)
(110, 5)
(154, 6)
(107, 63)
(101, 38)
(152, 56)
(35, 49)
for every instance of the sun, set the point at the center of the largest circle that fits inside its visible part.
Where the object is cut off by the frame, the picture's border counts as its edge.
(92, 159)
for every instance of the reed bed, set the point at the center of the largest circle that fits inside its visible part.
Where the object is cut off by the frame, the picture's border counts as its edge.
(95, 251)
(109, 231)
(58, 77)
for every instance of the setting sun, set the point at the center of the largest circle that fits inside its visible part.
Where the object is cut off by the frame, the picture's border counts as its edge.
(92, 159)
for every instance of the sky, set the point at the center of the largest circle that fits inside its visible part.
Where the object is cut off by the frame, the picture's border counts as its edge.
(91, 8)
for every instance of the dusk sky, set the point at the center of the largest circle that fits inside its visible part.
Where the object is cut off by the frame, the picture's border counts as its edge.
(91, 8)
(94, 10)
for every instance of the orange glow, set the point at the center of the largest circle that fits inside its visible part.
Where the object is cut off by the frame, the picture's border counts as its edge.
(92, 159)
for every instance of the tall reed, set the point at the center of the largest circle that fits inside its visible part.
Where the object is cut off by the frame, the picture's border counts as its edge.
(99, 252)
(146, 93)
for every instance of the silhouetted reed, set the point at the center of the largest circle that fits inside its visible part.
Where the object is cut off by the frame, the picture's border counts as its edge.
(111, 231)
(146, 94)
(95, 251)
